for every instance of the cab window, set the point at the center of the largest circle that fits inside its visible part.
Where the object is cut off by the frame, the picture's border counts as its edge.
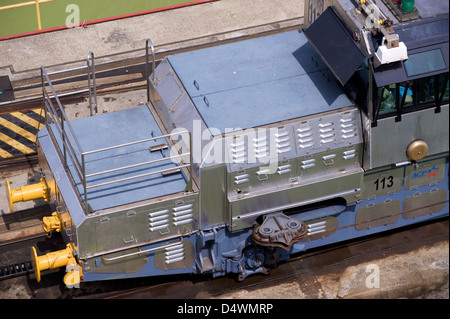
(409, 96)
(393, 96)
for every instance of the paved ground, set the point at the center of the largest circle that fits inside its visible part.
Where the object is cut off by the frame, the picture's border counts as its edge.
(422, 274)
(110, 38)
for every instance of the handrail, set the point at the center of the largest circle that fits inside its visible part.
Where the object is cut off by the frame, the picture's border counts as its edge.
(57, 116)
(83, 155)
(136, 165)
(71, 152)
(168, 245)
(147, 42)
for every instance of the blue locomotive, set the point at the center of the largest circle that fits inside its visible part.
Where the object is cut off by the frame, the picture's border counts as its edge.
(249, 152)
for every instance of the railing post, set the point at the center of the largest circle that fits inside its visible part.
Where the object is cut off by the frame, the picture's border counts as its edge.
(91, 68)
(147, 42)
(191, 172)
(83, 173)
(43, 95)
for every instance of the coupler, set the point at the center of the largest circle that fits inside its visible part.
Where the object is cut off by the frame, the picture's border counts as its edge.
(52, 223)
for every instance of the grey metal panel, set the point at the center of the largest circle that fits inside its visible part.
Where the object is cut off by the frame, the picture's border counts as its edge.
(68, 191)
(334, 43)
(245, 208)
(140, 223)
(377, 215)
(234, 87)
(382, 182)
(424, 204)
(212, 196)
(297, 138)
(390, 139)
(305, 170)
(174, 105)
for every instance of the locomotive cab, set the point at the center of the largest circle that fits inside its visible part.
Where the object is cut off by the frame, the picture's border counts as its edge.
(394, 64)
(410, 103)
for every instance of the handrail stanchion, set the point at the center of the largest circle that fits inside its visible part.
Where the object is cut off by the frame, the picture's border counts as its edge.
(91, 68)
(83, 167)
(146, 66)
(55, 119)
(191, 172)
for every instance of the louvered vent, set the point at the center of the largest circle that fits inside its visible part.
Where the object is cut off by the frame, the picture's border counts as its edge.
(282, 140)
(241, 179)
(327, 134)
(305, 137)
(238, 151)
(349, 154)
(310, 163)
(182, 215)
(284, 169)
(348, 128)
(158, 220)
(174, 254)
(317, 228)
(261, 148)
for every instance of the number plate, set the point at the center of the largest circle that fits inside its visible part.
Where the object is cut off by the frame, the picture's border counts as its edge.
(382, 183)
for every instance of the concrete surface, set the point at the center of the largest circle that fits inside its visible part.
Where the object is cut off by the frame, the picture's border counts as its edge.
(231, 17)
(423, 272)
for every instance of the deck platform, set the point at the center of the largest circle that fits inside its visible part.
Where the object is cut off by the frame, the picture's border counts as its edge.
(101, 133)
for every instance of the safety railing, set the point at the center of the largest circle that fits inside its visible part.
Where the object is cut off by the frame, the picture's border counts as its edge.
(75, 159)
(91, 89)
(59, 128)
(147, 75)
(177, 159)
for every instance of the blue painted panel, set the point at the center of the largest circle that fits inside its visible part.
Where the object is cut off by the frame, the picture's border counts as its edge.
(259, 81)
(111, 129)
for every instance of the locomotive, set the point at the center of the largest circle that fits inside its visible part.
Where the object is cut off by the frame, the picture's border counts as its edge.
(252, 151)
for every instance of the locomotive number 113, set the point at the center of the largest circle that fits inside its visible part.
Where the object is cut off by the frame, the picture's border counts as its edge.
(384, 182)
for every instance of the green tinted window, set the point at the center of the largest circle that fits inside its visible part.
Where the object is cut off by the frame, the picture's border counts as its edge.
(424, 62)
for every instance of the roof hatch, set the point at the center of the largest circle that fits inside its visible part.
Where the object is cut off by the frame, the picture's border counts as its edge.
(335, 45)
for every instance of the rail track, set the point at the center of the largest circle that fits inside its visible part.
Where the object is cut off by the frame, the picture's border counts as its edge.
(118, 73)
(301, 271)
(126, 70)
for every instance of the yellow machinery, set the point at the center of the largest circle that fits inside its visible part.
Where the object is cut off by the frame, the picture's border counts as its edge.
(52, 223)
(61, 258)
(42, 189)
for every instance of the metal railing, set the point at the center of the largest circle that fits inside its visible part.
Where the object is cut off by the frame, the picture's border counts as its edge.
(72, 154)
(177, 159)
(59, 128)
(147, 75)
